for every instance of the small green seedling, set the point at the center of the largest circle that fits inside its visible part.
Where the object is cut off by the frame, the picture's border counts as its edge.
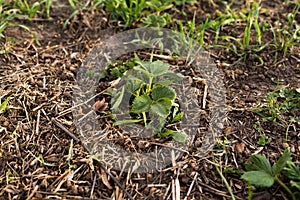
(279, 103)
(261, 174)
(4, 105)
(117, 69)
(264, 140)
(149, 83)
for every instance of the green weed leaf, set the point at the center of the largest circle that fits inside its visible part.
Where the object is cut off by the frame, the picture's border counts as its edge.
(165, 134)
(259, 178)
(278, 167)
(4, 105)
(177, 117)
(163, 92)
(141, 104)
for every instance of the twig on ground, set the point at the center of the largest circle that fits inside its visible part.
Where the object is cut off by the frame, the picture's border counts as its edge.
(93, 186)
(191, 186)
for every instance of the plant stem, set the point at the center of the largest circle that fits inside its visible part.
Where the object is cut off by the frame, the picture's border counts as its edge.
(145, 118)
(250, 191)
(149, 86)
(225, 181)
(285, 187)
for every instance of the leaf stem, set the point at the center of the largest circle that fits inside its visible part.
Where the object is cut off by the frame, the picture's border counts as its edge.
(145, 118)
(149, 85)
(285, 187)
(250, 191)
(225, 181)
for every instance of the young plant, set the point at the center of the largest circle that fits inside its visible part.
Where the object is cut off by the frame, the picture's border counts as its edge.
(79, 7)
(287, 35)
(4, 105)
(149, 83)
(157, 20)
(264, 140)
(26, 7)
(279, 102)
(130, 12)
(261, 174)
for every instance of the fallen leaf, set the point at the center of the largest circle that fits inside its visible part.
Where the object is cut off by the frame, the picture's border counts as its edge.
(228, 130)
(105, 180)
(240, 147)
(100, 105)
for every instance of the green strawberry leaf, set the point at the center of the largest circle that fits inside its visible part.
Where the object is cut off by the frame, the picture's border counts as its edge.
(259, 163)
(259, 178)
(173, 76)
(295, 184)
(142, 69)
(163, 92)
(161, 107)
(281, 163)
(162, 83)
(292, 171)
(158, 68)
(133, 85)
(141, 104)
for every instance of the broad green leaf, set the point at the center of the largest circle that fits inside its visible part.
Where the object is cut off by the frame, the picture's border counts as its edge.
(129, 121)
(259, 178)
(133, 85)
(161, 107)
(259, 163)
(143, 70)
(141, 104)
(163, 92)
(173, 76)
(179, 136)
(158, 68)
(292, 171)
(281, 163)
(162, 83)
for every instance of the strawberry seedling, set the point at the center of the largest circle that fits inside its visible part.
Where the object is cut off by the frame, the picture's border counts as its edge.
(152, 97)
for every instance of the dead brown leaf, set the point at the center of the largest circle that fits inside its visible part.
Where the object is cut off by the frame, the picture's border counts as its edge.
(240, 147)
